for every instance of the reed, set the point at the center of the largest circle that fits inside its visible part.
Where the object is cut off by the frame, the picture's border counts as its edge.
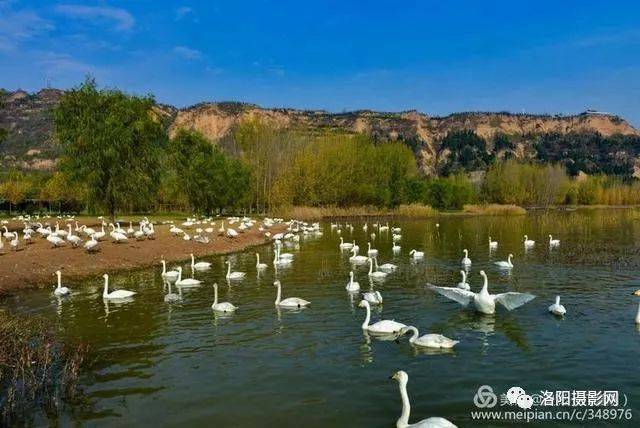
(36, 370)
(494, 209)
(318, 213)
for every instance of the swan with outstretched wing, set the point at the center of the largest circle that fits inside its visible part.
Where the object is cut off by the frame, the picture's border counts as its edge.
(483, 301)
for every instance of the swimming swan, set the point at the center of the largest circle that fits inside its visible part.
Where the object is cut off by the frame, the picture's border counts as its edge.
(168, 274)
(371, 252)
(221, 307)
(187, 282)
(352, 285)
(505, 265)
(378, 274)
(429, 340)
(345, 245)
(464, 285)
(380, 327)
(483, 301)
(373, 297)
(259, 265)
(492, 244)
(528, 243)
(234, 275)
(387, 267)
(290, 302)
(557, 308)
(60, 290)
(403, 421)
(416, 254)
(199, 265)
(466, 261)
(116, 294)
(355, 258)
(553, 242)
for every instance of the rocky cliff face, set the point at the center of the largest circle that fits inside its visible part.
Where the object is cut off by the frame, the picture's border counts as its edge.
(30, 138)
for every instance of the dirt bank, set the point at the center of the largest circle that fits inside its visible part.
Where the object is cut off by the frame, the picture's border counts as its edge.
(35, 265)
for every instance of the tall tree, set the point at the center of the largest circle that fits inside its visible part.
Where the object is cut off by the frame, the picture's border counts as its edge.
(111, 142)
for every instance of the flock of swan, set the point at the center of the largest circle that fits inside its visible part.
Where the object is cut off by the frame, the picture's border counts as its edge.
(483, 301)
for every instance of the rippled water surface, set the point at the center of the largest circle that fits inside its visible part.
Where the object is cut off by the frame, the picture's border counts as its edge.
(181, 365)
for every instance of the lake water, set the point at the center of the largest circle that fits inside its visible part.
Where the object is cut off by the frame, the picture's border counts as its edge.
(181, 365)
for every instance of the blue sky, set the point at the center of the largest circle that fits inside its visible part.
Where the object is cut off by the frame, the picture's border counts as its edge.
(434, 56)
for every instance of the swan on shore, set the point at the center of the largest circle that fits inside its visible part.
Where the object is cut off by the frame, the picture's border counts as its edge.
(483, 301)
(380, 327)
(505, 264)
(403, 421)
(557, 308)
(116, 294)
(223, 306)
(352, 285)
(428, 340)
(60, 290)
(289, 302)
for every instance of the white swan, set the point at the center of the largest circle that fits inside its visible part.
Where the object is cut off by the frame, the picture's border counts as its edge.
(355, 258)
(352, 285)
(116, 294)
(378, 274)
(493, 244)
(199, 265)
(483, 301)
(221, 307)
(403, 421)
(290, 302)
(233, 275)
(277, 261)
(91, 245)
(60, 290)
(371, 252)
(187, 282)
(466, 261)
(260, 266)
(553, 242)
(395, 248)
(373, 297)
(283, 255)
(528, 243)
(345, 245)
(464, 285)
(429, 340)
(168, 274)
(380, 327)
(505, 265)
(557, 308)
(416, 254)
(638, 315)
(387, 267)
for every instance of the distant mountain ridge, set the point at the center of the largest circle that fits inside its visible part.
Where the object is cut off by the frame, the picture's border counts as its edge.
(30, 143)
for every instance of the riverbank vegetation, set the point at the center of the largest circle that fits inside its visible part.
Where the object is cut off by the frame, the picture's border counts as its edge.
(37, 372)
(119, 157)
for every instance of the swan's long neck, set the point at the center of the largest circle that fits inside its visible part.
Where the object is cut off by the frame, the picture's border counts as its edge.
(257, 259)
(228, 270)
(509, 260)
(215, 294)
(557, 300)
(105, 293)
(370, 266)
(179, 274)
(414, 334)
(367, 318)
(164, 266)
(59, 280)
(278, 293)
(485, 285)
(193, 260)
(638, 315)
(403, 421)
(464, 276)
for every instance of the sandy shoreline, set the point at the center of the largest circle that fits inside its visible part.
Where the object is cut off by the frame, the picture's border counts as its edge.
(34, 266)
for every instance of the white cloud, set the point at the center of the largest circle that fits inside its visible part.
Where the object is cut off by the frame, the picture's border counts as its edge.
(183, 12)
(187, 53)
(19, 26)
(123, 19)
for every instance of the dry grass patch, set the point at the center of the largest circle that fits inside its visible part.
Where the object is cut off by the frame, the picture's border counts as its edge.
(494, 209)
